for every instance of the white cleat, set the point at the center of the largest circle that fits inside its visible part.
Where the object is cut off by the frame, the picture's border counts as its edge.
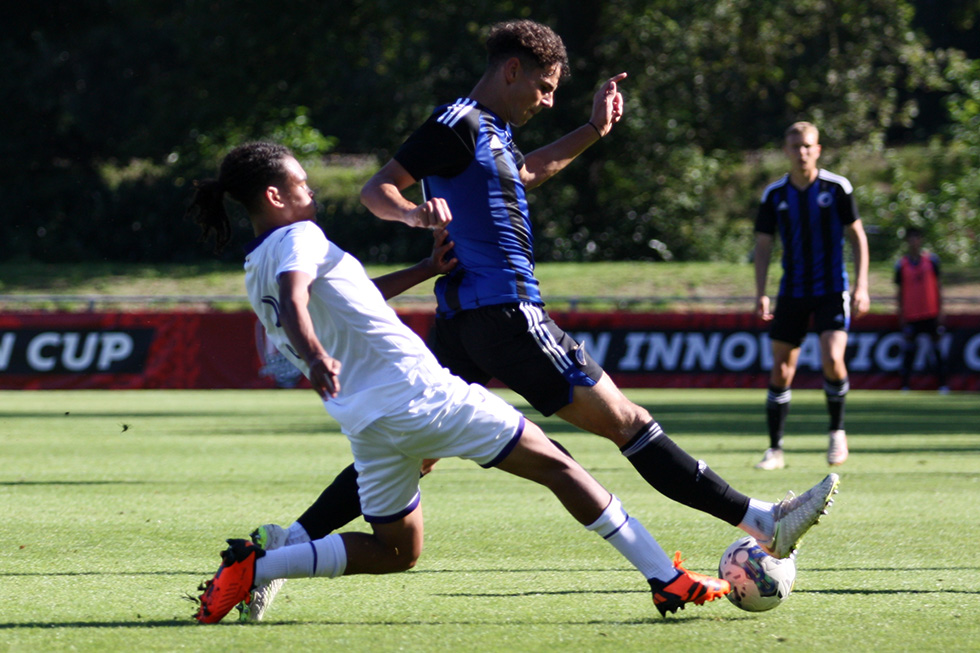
(772, 459)
(794, 516)
(266, 537)
(837, 447)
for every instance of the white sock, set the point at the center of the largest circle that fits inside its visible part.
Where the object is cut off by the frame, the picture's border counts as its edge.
(324, 557)
(758, 521)
(296, 534)
(633, 541)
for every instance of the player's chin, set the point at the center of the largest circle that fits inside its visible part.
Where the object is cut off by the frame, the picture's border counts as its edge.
(526, 119)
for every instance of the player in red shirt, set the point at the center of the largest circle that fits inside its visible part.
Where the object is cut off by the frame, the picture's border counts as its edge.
(920, 304)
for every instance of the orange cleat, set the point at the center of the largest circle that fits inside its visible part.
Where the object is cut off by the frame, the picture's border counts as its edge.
(231, 584)
(687, 587)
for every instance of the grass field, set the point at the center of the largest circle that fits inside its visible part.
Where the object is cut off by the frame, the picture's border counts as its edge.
(116, 504)
(654, 286)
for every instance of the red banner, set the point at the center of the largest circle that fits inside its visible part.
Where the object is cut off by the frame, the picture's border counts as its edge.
(129, 351)
(227, 350)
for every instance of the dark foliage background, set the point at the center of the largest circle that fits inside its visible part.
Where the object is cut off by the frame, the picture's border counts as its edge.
(111, 107)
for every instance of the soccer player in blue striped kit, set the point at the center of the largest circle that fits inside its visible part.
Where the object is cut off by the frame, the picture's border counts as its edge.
(491, 322)
(813, 211)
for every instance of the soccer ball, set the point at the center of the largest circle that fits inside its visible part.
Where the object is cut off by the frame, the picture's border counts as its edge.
(759, 581)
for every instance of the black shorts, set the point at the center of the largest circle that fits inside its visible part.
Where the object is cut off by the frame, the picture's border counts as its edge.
(520, 346)
(791, 319)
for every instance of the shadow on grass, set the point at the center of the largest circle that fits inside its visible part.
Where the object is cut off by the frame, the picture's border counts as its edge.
(70, 483)
(126, 415)
(857, 592)
(497, 571)
(191, 623)
(932, 418)
(924, 448)
(156, 623)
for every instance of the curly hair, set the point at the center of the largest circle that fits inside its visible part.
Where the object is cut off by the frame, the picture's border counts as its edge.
(244, 174)
(531, 42)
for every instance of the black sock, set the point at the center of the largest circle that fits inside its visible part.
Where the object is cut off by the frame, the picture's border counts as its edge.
(940, 363)
(336, 506)
(836, 393)
(678, 476)
(777, 408)
(908, 358)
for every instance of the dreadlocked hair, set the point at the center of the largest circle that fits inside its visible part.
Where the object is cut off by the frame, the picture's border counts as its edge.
(533, 43)
(245, 173)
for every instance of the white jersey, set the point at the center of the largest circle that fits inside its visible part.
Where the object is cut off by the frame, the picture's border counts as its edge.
(383, 362)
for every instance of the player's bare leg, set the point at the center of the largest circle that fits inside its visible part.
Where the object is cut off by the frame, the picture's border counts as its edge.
(604, 410)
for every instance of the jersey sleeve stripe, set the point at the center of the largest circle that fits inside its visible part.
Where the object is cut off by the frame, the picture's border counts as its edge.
(837, 179)
(773, 186)
(456, 112)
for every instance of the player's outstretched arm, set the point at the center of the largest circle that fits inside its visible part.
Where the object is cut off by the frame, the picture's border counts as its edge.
(545, 162)
(395, 283)
(382, 195)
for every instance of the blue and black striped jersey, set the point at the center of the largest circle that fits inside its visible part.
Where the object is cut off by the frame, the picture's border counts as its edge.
(811, 225)
(465, 154)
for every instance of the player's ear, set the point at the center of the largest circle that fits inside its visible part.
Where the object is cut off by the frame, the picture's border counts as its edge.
(511, 68)
(273, 197)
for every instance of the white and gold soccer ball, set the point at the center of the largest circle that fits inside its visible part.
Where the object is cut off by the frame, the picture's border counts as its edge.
(759, 581)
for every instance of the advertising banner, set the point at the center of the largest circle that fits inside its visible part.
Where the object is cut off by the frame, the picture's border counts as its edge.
(712, 350)
(228, 350)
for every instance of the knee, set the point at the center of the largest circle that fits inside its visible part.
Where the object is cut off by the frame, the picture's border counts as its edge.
(554, 469)
(782, 376)
(396, 549)
(403, 560)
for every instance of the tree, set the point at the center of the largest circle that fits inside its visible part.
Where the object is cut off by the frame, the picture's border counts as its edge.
(712, 79)
(114, 106)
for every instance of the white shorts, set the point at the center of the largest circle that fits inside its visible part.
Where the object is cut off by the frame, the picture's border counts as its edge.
(448, 419)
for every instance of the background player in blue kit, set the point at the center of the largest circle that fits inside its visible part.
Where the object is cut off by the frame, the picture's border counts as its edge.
(813, 211)
(491, 322)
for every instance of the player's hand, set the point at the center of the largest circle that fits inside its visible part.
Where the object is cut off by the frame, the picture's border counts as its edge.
(762, 308)
(325, 376)
(431, 215)
(427, 465)
(441, 245)
(860, 303)
(607, 105)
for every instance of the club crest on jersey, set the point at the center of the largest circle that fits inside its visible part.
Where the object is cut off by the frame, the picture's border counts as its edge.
(825, 199)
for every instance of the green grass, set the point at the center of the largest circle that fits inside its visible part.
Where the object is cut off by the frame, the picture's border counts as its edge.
(116, 504)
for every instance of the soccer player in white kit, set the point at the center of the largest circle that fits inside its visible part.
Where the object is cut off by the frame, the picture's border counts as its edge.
(393, 400)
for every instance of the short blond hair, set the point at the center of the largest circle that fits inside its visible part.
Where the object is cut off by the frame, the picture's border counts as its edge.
(802, 128)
